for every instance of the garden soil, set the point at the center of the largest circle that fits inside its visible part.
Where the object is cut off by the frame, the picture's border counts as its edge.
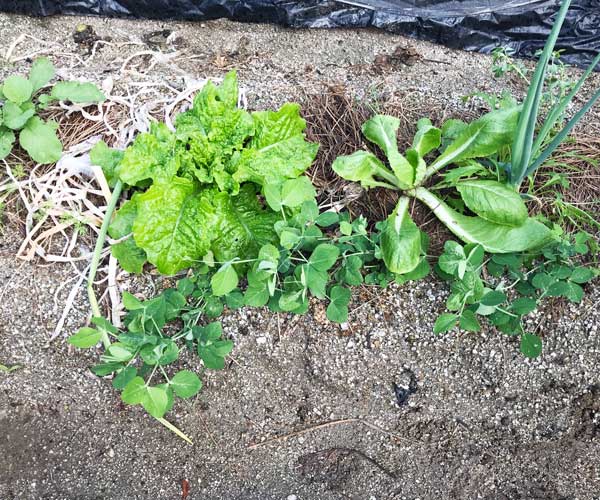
(305, 409)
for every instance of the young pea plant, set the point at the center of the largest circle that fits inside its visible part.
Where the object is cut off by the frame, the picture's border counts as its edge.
(21, 100)
(143, 352)
(512, 286)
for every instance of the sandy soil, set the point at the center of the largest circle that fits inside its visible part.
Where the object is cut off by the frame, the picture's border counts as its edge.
(308, 410)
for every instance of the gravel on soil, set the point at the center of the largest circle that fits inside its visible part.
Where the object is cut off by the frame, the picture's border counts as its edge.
(308, 410)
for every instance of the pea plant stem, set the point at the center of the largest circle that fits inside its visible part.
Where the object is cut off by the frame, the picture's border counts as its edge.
(98, 252)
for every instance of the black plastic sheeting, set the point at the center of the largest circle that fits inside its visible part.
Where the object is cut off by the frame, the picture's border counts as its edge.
(480, 25)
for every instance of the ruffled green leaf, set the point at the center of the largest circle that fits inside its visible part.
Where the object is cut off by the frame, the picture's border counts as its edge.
(240, 225)
(173, 225)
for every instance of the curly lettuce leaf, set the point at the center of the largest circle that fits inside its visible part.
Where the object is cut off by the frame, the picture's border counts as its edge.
(278, 150)
(131, 257)
(241, 225)
(152, 156)
(215, 114)
(173, 225)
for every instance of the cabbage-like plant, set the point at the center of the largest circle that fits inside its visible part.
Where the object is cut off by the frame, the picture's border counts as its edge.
(501, 223)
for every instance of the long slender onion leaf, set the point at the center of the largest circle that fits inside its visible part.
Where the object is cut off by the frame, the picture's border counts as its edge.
(561, 136)
(558, 110)
(522, 145)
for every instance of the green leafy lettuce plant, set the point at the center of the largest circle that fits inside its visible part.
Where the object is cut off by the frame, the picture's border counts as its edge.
(200, 188)
(501, 223)
(506, 288)
(21, 100)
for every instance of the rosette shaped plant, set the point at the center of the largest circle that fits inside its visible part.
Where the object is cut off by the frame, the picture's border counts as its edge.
(492, 214)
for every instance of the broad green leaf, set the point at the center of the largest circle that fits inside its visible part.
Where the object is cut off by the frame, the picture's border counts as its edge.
(567, 289)
(124, 377)
(163, 353)
(131, 302)
(468, 290)
(366, 168)
(240, 225)
(186, 384)
(480, 138)
(316, 281)
(453, 261)
(493, 201)
(468, 321)
(224, 280)
(234, 299)
(523, 305)
(494, 238)
(345, 228)
(42, 71)
(445, 322)
(7, 139)
(256, 296)
(326, 219)
(294, 192)
(582, 275)
(382, 130)
(493, 298)
(324, 256)
(39, 139)
(77, 92)
(134, 392)
(15, 116)
(213, 354)
(337, 310)
(401, 240)
(17, 89)
(108, 159)
(86, 337)
(118, 352)
(291, 193)
(131, 257)
(156, 401)
(173, 225)
(531, 345)
(427, 137)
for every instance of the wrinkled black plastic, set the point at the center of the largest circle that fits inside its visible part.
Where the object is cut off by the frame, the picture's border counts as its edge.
(478, 25)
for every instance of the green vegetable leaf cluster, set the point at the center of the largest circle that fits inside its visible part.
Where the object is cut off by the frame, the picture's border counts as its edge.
(20, 101)
(216, 184)
(490, 214)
